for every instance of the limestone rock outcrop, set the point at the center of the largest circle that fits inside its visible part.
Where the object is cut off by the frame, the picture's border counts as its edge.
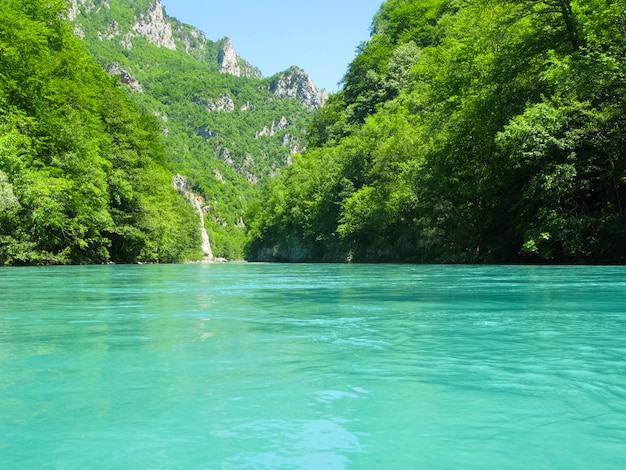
(225, 103)
(194, 42)
(153, 24)
(273, 129)
(293, 144)
(154, 27)
(206, 132)
(228, 59)
(125, 77)
(230, 62)
(296, 83)
(88, 5)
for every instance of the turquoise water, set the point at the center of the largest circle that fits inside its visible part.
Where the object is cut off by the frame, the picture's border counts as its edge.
(312, 366)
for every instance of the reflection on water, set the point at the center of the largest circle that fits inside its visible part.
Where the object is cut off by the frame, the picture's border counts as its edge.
(312, 366)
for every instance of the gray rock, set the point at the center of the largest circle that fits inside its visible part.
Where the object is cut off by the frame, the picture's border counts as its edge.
(155, 28)
(296, 83)
(228, 59)
(125, 76)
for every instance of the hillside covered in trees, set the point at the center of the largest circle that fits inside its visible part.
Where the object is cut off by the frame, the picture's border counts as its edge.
(83, 175)
(102, 103)
(228, 129)
(466, 131)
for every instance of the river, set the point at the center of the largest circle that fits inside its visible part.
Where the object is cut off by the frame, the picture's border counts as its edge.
(312, 366)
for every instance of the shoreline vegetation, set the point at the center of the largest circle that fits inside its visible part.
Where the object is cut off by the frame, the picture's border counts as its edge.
(464, 133)
(83, 172)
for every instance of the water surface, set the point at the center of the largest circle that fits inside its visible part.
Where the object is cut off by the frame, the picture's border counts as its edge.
(312, 366)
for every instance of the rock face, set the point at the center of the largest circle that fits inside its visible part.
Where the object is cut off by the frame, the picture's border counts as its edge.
(296, 83)
(224, 154)
(294, 145)
(193, 41)
(125, 77)
(275, 127)
(112, 31)
(72, 11)
(230, 62)
(88, 5)
(228, 59)
(225, 103)
(153, 26)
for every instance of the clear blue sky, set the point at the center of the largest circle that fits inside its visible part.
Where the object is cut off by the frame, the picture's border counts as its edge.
(320, 37)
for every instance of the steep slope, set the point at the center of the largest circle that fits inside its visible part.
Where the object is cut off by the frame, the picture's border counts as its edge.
(82, 170)
(227, 128)
(482, 131)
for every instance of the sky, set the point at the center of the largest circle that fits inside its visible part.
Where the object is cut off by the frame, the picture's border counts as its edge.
(319, 36)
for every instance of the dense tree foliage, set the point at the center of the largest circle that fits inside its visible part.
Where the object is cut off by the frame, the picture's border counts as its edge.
(466, 131)
(82, 175)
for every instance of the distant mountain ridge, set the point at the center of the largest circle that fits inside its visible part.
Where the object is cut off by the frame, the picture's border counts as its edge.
(226, 127)
(167, 32)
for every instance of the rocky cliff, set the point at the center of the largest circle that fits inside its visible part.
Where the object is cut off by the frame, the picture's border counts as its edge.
(232, 64)
(153, 26)
(228, 59)
(296, 83)
(157, 28)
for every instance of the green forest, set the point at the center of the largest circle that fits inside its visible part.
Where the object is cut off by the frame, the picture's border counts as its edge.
(83, 173)
(466, 131)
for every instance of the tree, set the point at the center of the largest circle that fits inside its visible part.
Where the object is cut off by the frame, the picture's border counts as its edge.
(471, 131)
(81, 169)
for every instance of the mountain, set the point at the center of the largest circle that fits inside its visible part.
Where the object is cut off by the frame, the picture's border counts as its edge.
(227, 129)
